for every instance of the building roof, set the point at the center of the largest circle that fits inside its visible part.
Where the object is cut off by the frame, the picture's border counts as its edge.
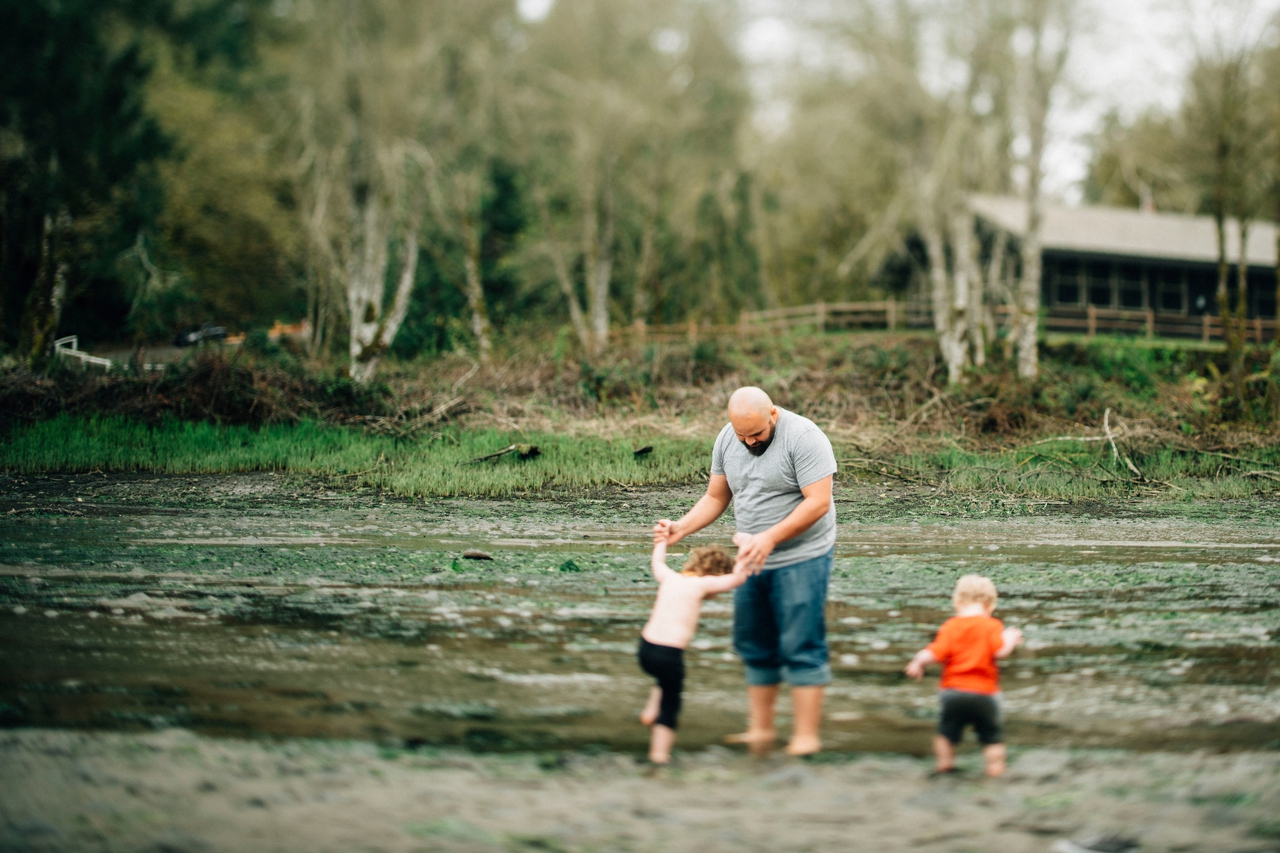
(1128, 232)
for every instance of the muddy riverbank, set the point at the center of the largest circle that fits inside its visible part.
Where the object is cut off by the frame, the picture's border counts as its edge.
(295, 618)
(175, 791)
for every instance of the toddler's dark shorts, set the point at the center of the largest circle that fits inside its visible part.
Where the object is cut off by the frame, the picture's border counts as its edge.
(666, 665)
(959, 708)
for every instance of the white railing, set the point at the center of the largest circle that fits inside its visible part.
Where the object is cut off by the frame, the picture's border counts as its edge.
(69, 347)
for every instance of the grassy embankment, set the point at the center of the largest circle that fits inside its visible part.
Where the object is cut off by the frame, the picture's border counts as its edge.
(1106, 419)
(444, 464)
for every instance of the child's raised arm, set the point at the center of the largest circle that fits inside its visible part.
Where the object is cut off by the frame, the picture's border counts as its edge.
(723, 583)
(659, 562)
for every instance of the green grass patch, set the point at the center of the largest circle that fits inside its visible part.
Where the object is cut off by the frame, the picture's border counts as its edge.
(442, 464)
(434, 466)
(1082, 471)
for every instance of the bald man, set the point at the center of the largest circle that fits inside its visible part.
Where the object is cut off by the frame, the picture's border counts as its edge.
(777, 469)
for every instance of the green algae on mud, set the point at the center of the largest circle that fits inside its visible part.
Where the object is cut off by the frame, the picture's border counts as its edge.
(262, 604)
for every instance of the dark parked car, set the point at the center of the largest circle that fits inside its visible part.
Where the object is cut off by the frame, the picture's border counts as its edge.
(207, 332)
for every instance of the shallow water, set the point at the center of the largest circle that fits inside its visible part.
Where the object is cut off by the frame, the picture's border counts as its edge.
(259, 605)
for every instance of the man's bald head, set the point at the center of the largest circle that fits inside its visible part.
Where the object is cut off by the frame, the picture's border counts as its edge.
(750, 400)
(753, 416)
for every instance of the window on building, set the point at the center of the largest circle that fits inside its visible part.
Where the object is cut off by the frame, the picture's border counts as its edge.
(1202, 287)
(1262, 293)
(1098, 283)
(1132, 296)
(1169, 292)
(1066, 280)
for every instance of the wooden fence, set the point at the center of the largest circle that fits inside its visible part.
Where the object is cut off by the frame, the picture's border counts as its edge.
(1093, 320)
(820, 316)
(890, 314)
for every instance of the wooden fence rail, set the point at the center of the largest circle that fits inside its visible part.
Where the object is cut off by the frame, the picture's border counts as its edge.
(1207, 327)
(890, 314)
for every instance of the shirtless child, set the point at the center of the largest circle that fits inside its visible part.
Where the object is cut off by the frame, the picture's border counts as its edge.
(670, 628)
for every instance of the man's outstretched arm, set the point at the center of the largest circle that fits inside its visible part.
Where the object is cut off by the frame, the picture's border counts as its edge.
(708, 508)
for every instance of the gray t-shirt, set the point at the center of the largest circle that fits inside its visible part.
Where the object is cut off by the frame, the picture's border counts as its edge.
(767, 488)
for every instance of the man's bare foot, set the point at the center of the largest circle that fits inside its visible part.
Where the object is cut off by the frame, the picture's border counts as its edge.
(804, 745)
(753, 737)
(650, 713)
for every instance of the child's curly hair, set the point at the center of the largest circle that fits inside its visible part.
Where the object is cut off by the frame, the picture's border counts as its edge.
(710, 560)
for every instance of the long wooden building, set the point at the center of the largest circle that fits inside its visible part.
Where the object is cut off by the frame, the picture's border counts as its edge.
(1121, 269)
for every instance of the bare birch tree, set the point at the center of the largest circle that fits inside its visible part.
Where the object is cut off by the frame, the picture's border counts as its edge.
(1046, 29)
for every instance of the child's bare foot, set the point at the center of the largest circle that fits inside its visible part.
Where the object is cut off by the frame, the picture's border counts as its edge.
(753, 737)
(804, 745)
(994, 756)
(650, 713)
(661, 740)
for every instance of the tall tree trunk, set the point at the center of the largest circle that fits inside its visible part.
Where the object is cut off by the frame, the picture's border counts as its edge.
(1027, 305)
(600, 271)
(549, 247)
(1045, 69)
(366, 270)
(378, 328)
(42, 311)
(1224, 278)
(640, 301)
(995, 283)
(475, 293)
(965, 246)
(1241, 319)
(948, 310)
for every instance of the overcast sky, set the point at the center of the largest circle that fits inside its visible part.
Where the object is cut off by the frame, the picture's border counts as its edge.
(1132, 55)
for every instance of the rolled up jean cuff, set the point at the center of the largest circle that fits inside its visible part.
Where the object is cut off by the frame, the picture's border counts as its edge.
(818, 676)
(763, 676)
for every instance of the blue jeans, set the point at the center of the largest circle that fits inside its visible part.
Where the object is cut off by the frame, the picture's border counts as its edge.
(779, 623)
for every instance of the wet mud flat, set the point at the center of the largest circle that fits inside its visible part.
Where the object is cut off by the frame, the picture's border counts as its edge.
(177, 791)
(282, 616)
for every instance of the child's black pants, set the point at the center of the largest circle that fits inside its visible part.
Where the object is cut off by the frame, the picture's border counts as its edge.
(666, 665)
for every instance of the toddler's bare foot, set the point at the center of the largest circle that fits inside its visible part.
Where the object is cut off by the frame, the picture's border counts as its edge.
(804, 745)
(660, 757)
(753, 737)
(649, 715)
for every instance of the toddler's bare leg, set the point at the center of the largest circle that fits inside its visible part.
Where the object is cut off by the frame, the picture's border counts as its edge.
(661, 740)
(993, 754)
(807, 702)
(760, 702)
(945, 752)
(650, 712)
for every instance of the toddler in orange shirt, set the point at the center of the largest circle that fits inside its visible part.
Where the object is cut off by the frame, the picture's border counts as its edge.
(968, 646)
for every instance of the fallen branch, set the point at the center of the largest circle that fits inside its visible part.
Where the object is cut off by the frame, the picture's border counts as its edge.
(1270, 475)
(1106, 426)
(876, 468)
(937, 396)
(525, 451)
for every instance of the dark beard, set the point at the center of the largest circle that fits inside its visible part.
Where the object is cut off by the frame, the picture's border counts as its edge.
(759, 447)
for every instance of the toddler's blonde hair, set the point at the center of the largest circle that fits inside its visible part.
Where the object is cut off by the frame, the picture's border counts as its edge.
(709, 560)
(974, 589)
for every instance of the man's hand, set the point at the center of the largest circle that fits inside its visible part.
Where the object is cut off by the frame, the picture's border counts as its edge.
(753, 550)
(667, 531)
